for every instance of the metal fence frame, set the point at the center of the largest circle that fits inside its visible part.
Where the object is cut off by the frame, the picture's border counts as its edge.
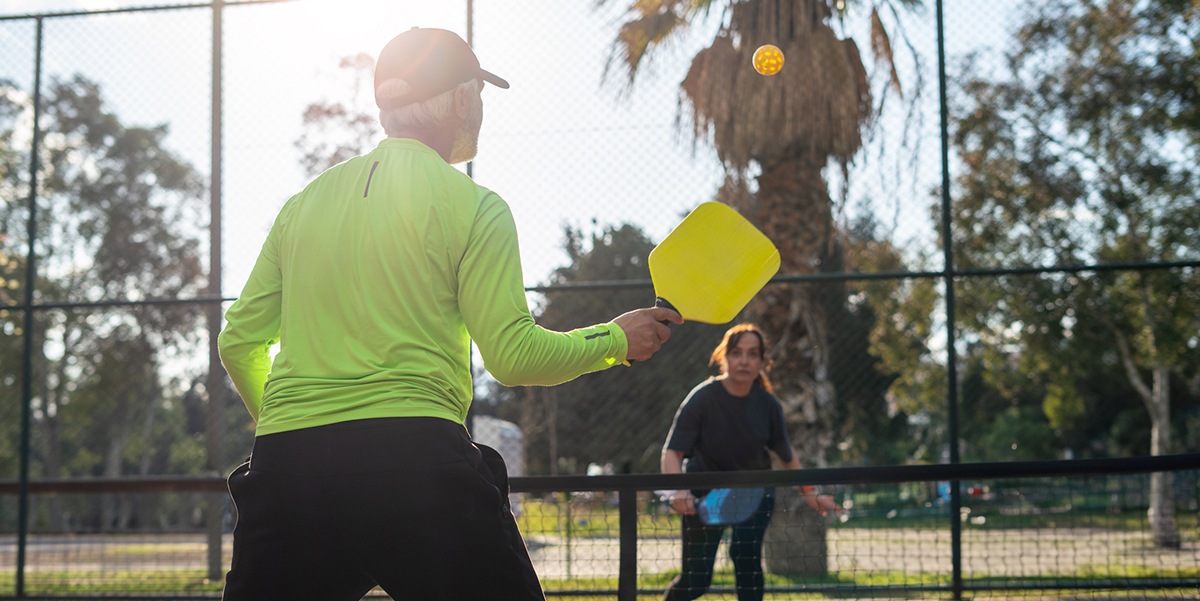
(23, 487)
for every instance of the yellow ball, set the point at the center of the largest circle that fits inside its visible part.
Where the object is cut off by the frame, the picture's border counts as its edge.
(768, 59)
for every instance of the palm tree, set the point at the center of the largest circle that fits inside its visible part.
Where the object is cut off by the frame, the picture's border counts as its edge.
(791, 126)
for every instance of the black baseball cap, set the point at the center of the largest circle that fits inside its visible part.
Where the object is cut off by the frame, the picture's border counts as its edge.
(430, 61)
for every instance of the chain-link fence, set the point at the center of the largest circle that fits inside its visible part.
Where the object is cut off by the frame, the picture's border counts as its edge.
(998, 248)
(1080, 535)
(1070, 536)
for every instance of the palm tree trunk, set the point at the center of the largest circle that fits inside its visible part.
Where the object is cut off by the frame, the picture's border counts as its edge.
(795, 542)
(793, 208)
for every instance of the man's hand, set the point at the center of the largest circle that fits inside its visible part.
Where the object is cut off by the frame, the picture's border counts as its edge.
(643, 332)
(683, 502)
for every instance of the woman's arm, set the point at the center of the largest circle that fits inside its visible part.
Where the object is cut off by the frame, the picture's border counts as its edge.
(682, 500)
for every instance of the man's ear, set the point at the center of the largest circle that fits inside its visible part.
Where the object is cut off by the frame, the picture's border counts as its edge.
(462, 102)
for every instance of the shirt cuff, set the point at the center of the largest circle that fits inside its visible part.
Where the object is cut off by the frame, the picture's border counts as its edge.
(619, 348)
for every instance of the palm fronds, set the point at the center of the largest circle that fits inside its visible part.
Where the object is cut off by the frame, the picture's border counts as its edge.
(816, 106)
(650, 23)
(881, 48)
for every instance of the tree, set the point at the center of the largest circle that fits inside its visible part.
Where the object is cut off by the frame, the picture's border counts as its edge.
(113, 223)
(1084, 151)
(12, 276)
(335, 131)
(900, 341)
(11, 326)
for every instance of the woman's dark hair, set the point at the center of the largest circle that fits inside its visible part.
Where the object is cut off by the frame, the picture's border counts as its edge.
(732, 336)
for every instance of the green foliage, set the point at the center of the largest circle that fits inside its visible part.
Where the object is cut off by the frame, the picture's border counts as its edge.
(900, 339)
(1062, 403)
(1084, 151)
(1018, 434)
(870, 429)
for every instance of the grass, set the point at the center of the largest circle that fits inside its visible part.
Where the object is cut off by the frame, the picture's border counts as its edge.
(111, 582)
(1187, 523)
(157, 549)
(846, 583)
(589, 518)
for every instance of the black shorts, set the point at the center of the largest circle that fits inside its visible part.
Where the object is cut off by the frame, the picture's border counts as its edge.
(409, 504)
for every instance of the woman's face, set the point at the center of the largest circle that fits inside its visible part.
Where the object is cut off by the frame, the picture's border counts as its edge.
(743, 361)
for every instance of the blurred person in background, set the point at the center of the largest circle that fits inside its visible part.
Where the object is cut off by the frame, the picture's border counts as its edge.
(728, 423)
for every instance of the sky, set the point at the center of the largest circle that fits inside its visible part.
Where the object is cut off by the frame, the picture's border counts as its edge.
(581, 154)
(563, 146)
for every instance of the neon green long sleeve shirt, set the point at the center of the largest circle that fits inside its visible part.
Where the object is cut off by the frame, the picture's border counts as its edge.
(374, 279)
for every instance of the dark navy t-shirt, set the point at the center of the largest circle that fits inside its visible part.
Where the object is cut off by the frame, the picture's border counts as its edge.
(717, 431)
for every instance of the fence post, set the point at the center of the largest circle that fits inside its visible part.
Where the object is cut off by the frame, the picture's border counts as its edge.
(215, 509)
(948, 274)
(30, 283)
(627, 581)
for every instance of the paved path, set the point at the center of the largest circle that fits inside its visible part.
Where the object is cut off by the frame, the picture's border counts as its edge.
(995, 553)
(992, 553)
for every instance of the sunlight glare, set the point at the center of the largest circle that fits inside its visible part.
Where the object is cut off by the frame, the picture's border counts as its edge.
(347, 19)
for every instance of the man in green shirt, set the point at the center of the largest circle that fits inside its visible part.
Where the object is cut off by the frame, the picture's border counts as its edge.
(374, 280)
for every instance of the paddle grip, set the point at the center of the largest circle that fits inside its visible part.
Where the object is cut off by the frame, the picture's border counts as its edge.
(662, 302)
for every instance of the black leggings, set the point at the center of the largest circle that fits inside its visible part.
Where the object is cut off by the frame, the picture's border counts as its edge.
(700, 543)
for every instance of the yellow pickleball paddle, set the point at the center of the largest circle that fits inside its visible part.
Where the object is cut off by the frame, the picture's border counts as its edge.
(711, 264)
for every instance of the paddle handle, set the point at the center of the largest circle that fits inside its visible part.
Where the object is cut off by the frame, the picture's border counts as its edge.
(662, 302)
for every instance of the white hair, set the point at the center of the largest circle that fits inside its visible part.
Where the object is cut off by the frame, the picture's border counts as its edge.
(430, 114)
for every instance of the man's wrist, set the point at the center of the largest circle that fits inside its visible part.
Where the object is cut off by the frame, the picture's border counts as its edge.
(619, 349)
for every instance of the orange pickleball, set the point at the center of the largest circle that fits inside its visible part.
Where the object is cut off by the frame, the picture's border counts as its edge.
(768, 59)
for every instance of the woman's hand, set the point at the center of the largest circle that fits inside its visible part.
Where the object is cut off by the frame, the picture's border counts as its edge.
(683, 502)
(821, 503)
